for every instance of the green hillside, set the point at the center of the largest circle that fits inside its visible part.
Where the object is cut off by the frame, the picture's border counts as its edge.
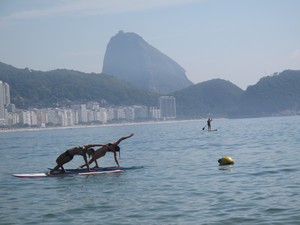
(216, 98)
(273, 95)
(58, 87)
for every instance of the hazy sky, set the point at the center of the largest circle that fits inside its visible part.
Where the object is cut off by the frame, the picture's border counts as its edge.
(236, 40)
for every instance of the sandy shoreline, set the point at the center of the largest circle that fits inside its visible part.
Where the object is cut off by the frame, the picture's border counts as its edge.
(99, 125)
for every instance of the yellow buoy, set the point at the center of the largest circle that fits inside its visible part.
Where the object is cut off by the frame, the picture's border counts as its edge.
(227, 160)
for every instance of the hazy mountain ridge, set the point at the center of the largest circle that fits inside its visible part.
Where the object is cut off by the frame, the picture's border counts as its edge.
(30, 88)
(215, 97)
(273, 95)
(129, 57)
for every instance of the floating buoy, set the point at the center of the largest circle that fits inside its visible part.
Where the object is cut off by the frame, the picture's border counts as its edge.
(227, 160)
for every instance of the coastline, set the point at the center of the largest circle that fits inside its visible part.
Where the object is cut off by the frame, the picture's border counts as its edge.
(98, 125)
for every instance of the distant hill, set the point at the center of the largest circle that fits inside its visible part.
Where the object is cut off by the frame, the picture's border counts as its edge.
(31, 88)
(130, 58)
(217, 98)
(273, 95)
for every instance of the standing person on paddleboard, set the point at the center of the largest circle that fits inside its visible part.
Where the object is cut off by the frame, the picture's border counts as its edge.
(209, 124)
(110, 147)
(68, 155)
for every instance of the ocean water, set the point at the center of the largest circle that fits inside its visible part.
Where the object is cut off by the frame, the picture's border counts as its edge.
(180, 182)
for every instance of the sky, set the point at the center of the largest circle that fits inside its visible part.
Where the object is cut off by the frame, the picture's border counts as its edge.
(236, 40)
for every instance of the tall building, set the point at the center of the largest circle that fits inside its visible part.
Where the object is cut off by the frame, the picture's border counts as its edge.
(2, 109)
(4, 99)
(82, 113)
(167, 105)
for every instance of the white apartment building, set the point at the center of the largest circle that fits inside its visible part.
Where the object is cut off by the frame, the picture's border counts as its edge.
(4, 101)
(167, 105)
(154, 113)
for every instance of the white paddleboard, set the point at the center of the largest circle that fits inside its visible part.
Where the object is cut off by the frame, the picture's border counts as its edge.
(30, 175)
(212, 130)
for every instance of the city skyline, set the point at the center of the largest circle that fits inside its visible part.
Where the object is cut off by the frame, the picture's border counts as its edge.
(86, 113)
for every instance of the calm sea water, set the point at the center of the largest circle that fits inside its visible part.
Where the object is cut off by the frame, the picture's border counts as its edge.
(180, 182)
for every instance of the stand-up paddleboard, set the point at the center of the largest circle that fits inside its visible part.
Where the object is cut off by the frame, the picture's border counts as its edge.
(38, 175)
(78, 170)
(212, 130)
(33, 175)
(100, 172)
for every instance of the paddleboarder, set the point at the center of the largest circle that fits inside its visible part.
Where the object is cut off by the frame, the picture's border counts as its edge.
(209, 124)
(68, 155)
(110, 147)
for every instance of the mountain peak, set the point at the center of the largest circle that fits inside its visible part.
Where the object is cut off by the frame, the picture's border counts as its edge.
(130, 58)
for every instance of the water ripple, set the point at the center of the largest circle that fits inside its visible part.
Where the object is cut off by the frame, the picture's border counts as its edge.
(180, 183)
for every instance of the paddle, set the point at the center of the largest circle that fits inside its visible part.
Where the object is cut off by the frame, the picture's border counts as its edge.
(203, 127)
